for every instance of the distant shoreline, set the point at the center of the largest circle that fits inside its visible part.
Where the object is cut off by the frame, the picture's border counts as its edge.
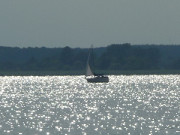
(64, 73)
(122, 58)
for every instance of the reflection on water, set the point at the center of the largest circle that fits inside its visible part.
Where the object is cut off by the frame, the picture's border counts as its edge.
(69, 105)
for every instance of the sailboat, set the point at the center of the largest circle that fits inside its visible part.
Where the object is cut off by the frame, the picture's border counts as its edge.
(92, 77)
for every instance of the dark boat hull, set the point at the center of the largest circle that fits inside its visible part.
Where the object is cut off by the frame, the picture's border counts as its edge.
(98, 79)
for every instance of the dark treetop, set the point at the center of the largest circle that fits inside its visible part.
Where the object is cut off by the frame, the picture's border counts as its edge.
(116, 57)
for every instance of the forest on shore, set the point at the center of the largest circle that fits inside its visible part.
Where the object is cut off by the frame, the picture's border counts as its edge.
(115, 57)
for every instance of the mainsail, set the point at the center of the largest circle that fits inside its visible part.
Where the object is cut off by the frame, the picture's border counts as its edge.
(88, 70)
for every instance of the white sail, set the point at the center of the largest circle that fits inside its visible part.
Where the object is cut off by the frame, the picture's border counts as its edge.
(88, 70)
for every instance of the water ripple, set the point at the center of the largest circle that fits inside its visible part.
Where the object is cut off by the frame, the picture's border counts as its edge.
(69, 105)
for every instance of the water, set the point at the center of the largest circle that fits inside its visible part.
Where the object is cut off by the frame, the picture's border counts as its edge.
(128, 105)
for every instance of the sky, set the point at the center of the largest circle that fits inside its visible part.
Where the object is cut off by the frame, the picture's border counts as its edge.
(80, 23)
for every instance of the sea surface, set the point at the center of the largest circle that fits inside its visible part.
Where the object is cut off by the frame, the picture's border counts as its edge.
(59, 105)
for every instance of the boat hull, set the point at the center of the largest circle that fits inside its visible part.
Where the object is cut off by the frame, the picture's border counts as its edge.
(98, 80)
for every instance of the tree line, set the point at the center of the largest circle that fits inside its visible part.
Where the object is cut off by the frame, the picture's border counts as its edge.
(113, 57)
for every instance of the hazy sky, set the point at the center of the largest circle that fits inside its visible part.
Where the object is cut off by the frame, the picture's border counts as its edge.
(80, 23)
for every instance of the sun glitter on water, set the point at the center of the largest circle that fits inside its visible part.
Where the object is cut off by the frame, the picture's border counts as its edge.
(69, 105)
